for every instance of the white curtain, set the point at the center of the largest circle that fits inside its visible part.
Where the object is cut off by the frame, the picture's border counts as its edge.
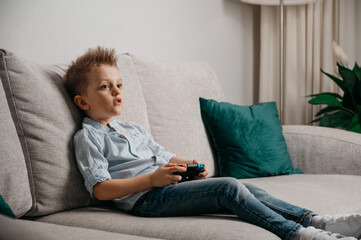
(309, 31)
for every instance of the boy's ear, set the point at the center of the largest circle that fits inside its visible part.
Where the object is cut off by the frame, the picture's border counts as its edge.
(81, 102)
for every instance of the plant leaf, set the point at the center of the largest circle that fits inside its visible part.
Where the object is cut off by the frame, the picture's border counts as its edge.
(333, 94)
(355, 125)
(338, 81)
(337, 119)
(356, 128)
(348, 102)
(315, 120)
(357, 70)
(358, 109)
(326, 98)
(352, 83)
(326, 110)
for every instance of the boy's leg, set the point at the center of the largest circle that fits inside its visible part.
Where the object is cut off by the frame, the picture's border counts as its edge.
(207, 196)
(348, 225)
(287, 210)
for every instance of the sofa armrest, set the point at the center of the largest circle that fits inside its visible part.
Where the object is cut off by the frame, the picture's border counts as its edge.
(323, 150)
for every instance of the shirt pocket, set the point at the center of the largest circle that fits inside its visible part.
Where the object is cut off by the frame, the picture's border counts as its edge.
(135, 134)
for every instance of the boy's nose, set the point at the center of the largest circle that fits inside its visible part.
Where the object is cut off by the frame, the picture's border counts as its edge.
(116, 91)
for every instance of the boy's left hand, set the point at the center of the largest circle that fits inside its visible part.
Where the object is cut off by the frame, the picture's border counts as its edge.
(202, 175)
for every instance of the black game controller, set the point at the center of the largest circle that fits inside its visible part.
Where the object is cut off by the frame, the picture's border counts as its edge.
(192, 170)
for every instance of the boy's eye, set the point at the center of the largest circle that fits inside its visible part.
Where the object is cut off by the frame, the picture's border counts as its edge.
(104, 87)
(119, 85)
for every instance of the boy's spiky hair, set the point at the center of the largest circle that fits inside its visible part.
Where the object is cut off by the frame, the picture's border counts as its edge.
(75, 79)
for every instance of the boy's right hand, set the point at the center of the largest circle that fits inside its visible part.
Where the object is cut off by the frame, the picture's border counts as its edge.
(164, 176)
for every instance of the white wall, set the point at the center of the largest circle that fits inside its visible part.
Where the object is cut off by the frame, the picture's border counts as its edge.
(216, 31)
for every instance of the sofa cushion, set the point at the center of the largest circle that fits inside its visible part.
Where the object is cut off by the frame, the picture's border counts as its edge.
(46, 120)
(14, 181)
(324, 194)
(30, 230)
(14, 229)
(205, 227)
(247, 140)
(338, 151)
(134, 107)
(171, 91)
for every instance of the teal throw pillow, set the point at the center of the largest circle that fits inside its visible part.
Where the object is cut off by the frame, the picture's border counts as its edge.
(247, 140)
(5, 208)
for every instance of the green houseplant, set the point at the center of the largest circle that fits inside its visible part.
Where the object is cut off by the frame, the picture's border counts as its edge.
(341, 111)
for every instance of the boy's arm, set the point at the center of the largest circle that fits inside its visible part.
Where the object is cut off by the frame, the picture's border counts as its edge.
(163, 176)
(116, 188)
(91, 163)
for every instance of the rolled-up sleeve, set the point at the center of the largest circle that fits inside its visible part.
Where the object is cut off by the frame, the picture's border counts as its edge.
(91, 163)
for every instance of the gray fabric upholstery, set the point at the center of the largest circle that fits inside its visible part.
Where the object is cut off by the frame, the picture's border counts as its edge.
(134, 107)
(11, 229)
(45, 120)
(320, 193)
(172, 92)
(192, 228)
(14, 181)
(324, 150)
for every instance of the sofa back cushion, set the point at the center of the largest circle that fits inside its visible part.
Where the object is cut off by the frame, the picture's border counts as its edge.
(46, 120)
(172, 92)
(134, 106)
(14, 182)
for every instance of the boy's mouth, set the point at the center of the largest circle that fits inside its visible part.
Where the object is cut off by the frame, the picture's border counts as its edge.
(117, 101)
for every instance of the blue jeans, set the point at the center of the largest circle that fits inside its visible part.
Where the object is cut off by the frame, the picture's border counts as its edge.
(249, 203)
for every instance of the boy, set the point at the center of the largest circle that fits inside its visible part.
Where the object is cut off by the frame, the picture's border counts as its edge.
(120, 161)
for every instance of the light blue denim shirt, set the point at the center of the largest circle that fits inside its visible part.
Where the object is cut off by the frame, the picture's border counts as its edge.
(123, 150)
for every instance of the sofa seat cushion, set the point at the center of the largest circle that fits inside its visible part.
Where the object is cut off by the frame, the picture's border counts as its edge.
(324, 194)
(25, 229)
(221, 226)
(321, 193)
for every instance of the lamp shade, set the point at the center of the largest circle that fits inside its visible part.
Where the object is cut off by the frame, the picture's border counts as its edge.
(277, 2)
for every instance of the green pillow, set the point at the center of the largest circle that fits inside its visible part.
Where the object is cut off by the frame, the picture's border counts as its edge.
(247, 140)
(5, 208)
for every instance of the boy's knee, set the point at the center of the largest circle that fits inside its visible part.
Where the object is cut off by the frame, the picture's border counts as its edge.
(234, 187)
(230, 181)
(249, 185)
(255, 190)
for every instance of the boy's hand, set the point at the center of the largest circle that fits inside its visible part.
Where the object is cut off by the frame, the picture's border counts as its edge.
(202, 175)
(164, 176)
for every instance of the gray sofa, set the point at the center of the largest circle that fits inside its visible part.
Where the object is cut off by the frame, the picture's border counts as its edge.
(40, 181)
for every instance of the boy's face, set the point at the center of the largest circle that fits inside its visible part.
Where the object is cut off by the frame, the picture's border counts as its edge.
(103, 99)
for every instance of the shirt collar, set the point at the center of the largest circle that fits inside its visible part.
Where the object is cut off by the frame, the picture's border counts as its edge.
(114, 124)
(98, 125)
